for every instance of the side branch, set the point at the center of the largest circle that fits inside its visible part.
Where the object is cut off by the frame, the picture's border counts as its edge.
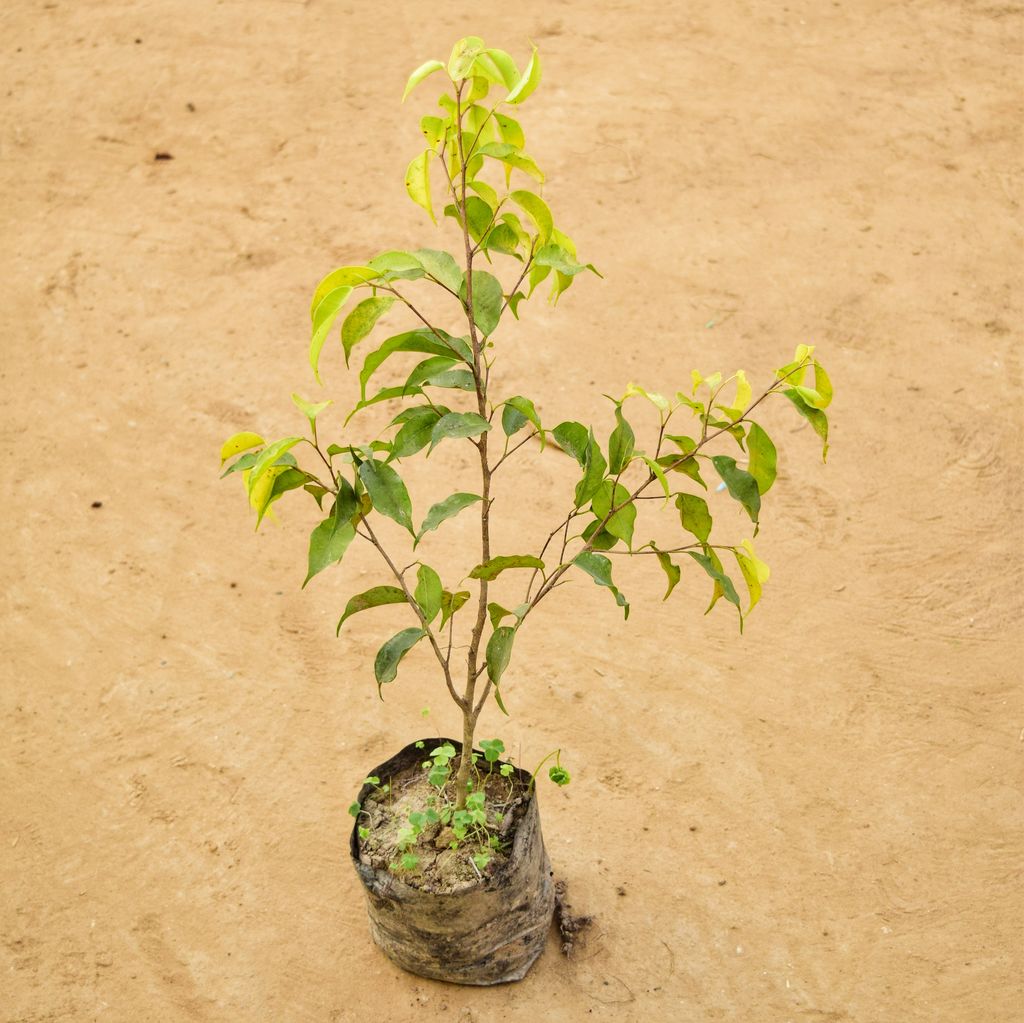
(371, 537)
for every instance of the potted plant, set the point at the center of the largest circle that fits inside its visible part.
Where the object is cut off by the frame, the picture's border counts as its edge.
(446, 837)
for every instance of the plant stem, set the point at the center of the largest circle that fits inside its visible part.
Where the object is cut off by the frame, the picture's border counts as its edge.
(471, 713)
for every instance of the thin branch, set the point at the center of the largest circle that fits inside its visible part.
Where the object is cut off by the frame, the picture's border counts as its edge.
(552, 579)
(494, 468)
(433, 330)
(411, 601)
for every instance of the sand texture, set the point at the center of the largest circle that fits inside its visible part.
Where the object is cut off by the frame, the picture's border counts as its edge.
(819, 822)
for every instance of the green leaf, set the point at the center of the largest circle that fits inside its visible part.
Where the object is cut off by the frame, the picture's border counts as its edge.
(428, 592)
(518, 411)
(762, 458)
(327, 545)
(599, 541)
(343, 277)
(492, 749)
(346, 505)
(537, 210)
(385, 394)
(429, 368)
(425, 341)
(572, 438)
(711, 564)
(479, 216)
(487, 300)
(362, 320)
(376, 596)
(555, 257)
(687, 466)
(441, 371)
(499, 652)
(594, 471)
(696, 519)
(388, 492)
(755, 571)
(672, 572)
(243, 463)
(621, 524)
(442, 267)
(385, 665)
(290, 479)
(446, 509)
(415, 433)
(512, 420)
(239, 442)
(529, 80)
(450, 603)
(742, 486)
(457, 425)
(503, 239)
(817, 418)
(417, 182)
(512, 158)
(496, 613)
(317, 492)
(490, 570)
(268, 457)
(423, 71)
(323, 319)
(487, 193)
(620, 444)
(395, 265)
(599, 568)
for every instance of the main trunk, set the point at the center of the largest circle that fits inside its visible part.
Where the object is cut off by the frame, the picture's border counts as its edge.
(465, 761)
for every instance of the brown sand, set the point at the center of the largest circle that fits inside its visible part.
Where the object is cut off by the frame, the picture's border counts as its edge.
(819, 822)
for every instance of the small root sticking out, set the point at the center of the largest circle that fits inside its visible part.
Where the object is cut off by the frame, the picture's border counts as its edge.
(570, 926)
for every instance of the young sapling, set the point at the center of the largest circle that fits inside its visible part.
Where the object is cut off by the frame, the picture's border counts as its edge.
(509, 244)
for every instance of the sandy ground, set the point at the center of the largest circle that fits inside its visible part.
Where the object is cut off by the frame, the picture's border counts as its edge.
(820, 821)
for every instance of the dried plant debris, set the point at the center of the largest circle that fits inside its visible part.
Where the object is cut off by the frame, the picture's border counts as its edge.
(570, 925)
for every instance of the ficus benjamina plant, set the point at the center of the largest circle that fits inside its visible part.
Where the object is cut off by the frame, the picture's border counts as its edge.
(509, 246)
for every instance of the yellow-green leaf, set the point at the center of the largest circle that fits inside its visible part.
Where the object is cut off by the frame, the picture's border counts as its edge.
(537, 210)
(528, 81)
(343, 277)
(238, 443)
(309, 409)
(323, 320)
(423, 71)
(755, 571)
(464, 54)
(417, 182)
(362, 320)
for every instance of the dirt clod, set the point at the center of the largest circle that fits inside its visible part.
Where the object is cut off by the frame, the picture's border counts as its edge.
(570, 925)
